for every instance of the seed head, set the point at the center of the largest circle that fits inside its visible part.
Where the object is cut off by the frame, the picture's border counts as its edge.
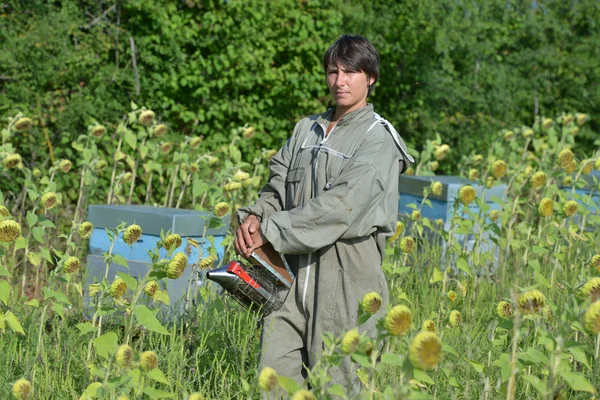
(195, 142)
(455, 318)
(567, 181)
(207, 262)
(581, 118)
(72, 265)
(146, 117)
(590, 290)
(177, 265)
(439, 222)
(428, 326)
(441, 152)
(194, 168)
(508, 135)
(571, 167)
(132, 234)
(371, 303)
(21, 389)
(410, 171)
(117, 288)
(546, 123)
(425, 351)
(591, 319)
(65, 165)
(546, 207)
(241, 176)
(148, 361)
(528, 133)
(504, 309)
(48, 200)
(407, 244)
(466, 194)
(489, 183)
(415, 215)
(267, 379)
(151, 288)
(172, 241)
(350, 342)
(269, 154)
(9, 231)
(397, 321)
(23, 124)
(399, 229)
(473, 174)
(160, 130)
(166, 147)
(85, 230)
(494, 215)
(100, 165)
(230, 187)
(531, 302)
(436, 188)
(303, 394)
(477, 159)
(11, 160)
(538, 179)
(595, 262)
(434, 165)
(36, 173)
(587, 166)
(451, 296)
(248, 132)
(597, 164)
(120, 155)
(221, 209)
(570, 208)
(499, 169)
(126, 177)
(124, 356)
(98, 130)
(4, 211)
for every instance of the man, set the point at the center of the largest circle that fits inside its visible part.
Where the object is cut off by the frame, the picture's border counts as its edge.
(329, 204)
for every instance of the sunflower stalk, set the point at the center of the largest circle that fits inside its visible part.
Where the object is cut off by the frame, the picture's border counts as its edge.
(134, 172)
(194, 274)
(114, 170)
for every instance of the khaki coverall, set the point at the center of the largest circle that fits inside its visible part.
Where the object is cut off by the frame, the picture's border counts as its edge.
(329, 204)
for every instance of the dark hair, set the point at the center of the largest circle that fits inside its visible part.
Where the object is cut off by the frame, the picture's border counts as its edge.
(355, 53)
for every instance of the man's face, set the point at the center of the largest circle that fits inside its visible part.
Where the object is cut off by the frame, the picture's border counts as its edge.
(348, 88)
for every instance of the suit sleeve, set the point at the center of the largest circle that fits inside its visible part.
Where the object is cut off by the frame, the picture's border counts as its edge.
(345, 210)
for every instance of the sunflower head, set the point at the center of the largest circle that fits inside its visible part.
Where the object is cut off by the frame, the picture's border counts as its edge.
(407, 244)
(196, 396)
(508, 135)
(23, 124)
(415, 215)
(85, 230)
(117, 288)
(166, 147)
(570, 208)
(587, 166)
(9, 231)
(531, 302)
(590, 290)
(528, 133)
(126, 177)
(11, 160)
(98, 130)
(72, 265)
(399, 229)
(409, 171)
(101, 164)
(436, 188)
(350, 341)
(428, 326)
(473, 174)
(146, 117)
(546, 123)
(207, 262)
(132, 234)
(466, 194)
(248, 132)
(504, 310)
(499, 169)
(546, 207)
(581, 118)
(194, 168)
(434, 165)
(591, 319)
(489, 183)
(267, 379)
(172, 241)
(4, 211)
(571, 167)
(303, 394)
(160, 130)
(538, 179)
(441, 152)
(177, 265)
(48, 200)
(232, 186)
(564, 158)
(148, 361)
(595, 262)
(65, 165)
(451, 295)
(567, 181)
(124, 356)
(21, 389)
(477, 159)
(240, 176)
(397, 320)
(150, 288)
(371, 303)
(195, 142)
(455, 319)
(221, 209)
(425, 350)
(494, 215)
(597, 164)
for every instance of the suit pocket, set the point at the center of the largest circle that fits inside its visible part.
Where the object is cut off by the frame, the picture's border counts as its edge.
(293, 184)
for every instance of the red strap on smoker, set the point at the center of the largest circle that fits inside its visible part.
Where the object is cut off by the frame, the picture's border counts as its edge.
(236, 268)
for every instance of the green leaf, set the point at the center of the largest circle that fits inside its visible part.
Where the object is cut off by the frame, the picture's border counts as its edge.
(361, 360)
(199, 188)
(503, 362)
(579, 356)
(13, 322)
(21, 243)
(130, 139)
(106, 344)
(421, 376)
(538, 356)
(129, 280)
(85, 327)
(32, 219)
(147, 318)
(92, 390)
(119, 259)
(49, 294)
(337, 390)
(536, 383)
(4, 272)
(449, 349)
(157, 393)
(463, 265)
(38, 233)
(33, 303)
(2, 324)
(480, 368)
(59, 309)
(4, 291)
(158, 376)
(392, 359)
(577, 381)
(288, 384)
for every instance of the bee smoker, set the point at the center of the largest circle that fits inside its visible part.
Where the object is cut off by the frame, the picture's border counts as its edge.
(257, 286)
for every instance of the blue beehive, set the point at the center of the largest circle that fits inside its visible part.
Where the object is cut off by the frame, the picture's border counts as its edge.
(188, 224)
(411, 190)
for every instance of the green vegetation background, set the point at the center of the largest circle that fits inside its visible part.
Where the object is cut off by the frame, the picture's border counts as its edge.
(460, 69)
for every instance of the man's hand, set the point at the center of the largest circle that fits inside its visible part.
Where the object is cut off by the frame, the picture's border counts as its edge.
(248, 236)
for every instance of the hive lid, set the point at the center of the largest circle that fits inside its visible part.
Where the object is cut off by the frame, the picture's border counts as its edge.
(153, 219)
(451, 184)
